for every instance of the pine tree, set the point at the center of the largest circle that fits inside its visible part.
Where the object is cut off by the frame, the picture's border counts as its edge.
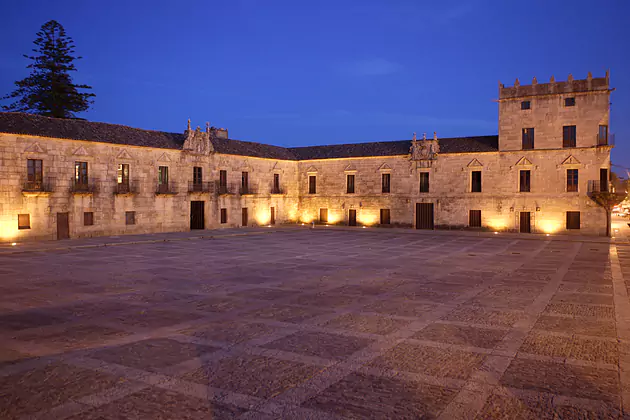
(49, 89)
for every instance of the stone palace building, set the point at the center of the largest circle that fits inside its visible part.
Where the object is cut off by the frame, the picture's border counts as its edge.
(74, 178)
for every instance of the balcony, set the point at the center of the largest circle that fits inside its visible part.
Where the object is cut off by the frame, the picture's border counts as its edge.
(38, 188)
(277, 190)
(125, 188)
(247, 190)
(83, 187)
(596, 186)
(607, 140)
(165, 189)
(199, 187)
(222, 189)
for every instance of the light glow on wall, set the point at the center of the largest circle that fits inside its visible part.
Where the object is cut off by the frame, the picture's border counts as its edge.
(263, 216)
(307, 217)
(497, 224)
(367, 218)
(8, 230)
(550, 226)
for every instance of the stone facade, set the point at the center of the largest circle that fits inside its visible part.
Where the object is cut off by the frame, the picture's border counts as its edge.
(449, 163)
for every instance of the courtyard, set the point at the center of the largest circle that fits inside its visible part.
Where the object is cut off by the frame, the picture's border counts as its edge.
(317, 324)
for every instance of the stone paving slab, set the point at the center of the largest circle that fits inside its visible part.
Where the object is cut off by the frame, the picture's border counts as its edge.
(324, 323)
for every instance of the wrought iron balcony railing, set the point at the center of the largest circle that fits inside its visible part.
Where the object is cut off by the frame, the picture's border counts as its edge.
(165, 189)
(83, 186)
(199, 187)
(278, 190)
(223, 189)
(247, 190)
(44, 185)
(596, 186)
(128, 187)
(607, 140)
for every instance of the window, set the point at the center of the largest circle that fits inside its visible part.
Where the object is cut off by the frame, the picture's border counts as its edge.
(572, 180)
(603, 180)
(474, 219)
(476, 181)
(602, 136)
(88, 218)
(24, 221)
(163, 175)
(223, 216)
(244, 182)
(122, 175)
(197, 175)
(385, 220)
(568, 136)
(34, 169)
(528, 138)
(276, 183)
(526, 105)
(386, 183)
(424, 182)
(569, 101)
(312, 184)
(223, 179)
(130, 217)
(81, 173)
(524, 181)
(323, 215)
(573, 220)
(350, 184)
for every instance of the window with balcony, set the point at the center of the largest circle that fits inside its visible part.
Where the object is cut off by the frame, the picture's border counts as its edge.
(276, 184)
(244, 182)
(222, 181)
(572, 180)
(602, 135)
(424, 182)
(350, 184)
(475, 181)
(34, 174)
(122, 178)
(163, 179)
(528, 138)
(386, 183)
(524, 181)
(81, 173)
(568, 136)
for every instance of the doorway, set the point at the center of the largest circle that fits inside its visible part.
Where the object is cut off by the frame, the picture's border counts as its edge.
(272, 220)
(244, 219)
(424, 216)
(526, 222)
(196, 214)
(63, 226)
(352, 217)
(323, 215)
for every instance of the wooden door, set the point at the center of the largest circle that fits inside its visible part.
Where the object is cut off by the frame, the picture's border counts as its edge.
(323, 215)
(525, 222)
(424, 215)
(63, 226)
(272, 221)
(244, 220)
(352, 217)
(197, 214)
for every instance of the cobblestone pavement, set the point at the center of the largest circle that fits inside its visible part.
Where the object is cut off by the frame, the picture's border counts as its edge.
(317, 324)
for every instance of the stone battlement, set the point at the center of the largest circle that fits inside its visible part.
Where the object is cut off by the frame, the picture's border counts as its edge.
(589, 84)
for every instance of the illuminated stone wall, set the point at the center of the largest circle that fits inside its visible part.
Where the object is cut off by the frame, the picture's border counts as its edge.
(154, 213)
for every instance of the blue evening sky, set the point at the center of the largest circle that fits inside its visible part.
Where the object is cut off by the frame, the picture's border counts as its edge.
(292, 72)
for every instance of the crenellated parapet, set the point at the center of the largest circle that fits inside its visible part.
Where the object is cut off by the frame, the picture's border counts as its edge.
(553, 87)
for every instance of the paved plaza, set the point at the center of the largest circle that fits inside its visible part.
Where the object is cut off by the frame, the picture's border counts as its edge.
(318, 324)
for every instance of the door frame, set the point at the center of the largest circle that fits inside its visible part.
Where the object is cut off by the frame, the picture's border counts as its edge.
(431, 216)
(352, 217)
(201, 224)
(529, 220)
(67, 226)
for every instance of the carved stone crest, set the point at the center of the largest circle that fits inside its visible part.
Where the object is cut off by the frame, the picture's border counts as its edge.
(424, 149)
(198, 141)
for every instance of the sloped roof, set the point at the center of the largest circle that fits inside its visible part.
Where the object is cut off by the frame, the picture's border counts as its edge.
(395, 148)
(75, 129)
